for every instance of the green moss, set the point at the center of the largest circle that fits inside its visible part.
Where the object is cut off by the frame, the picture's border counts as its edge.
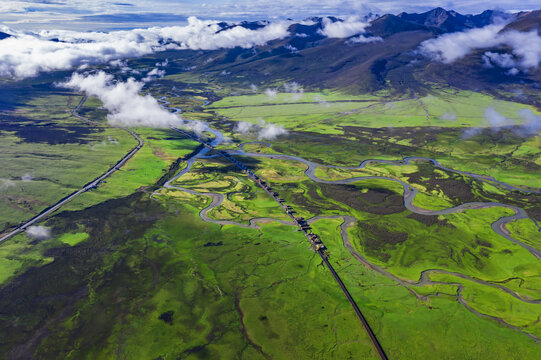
(73, 239)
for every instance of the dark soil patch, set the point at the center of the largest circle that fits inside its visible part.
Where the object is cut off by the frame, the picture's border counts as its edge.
(378, 241)
(31, 300)
(33, 131)
(382, 236)
(429, 220)
(219, 243)
(457, 187)
(167, 317)
(310, 201)
(379, 201)
(483, 243)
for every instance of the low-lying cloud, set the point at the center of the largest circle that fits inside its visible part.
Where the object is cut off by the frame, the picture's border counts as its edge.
(6, 184)
(448, 116)
(125, 104)
(525, 47)
(532, 123)
(271, 93)
(495, 122)
(38, 232)
(343, 29)
(295, 89)
(27, 54)
(263, 130)
(361, 39)
(153, 75)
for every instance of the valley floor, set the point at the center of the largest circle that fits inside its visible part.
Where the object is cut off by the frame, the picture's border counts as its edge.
(434, 230)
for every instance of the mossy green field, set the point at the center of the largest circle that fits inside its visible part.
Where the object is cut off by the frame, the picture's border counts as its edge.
(133, 269)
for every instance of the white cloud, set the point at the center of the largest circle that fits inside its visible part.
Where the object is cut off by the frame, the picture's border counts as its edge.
(361, 39)
(468, 133)
(448, 116)
(263, 130)
(532, 123)
(27, 54)
(450, 47)
(295, 89)
(154, 74)
(271, 132)
(271, 93)
(513, 71)
(125, 105)
(237, 9)
(163, 63)
(243, 127)
(343, 29)
(525, 46)
(6, 184)
(496, 120)
(501, 60)
(38, 232)
(321, 101)
(292, 49)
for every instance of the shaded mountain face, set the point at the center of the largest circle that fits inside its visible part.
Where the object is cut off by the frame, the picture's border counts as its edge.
(251, 25)
(526, 21)
(394, 64)
(443, 20)
(4, 35)
(388, 25)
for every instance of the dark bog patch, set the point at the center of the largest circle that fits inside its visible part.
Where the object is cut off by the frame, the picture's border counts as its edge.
(379, 201)
(378, 241)
(310, 201)
(219, 243)
(482, 242)
(96, 114)
(429, 220)
(167, 317)
(462, 189)
(42, 298)
(33, 131)
(457, 187)
(384, 140)
(382, 235)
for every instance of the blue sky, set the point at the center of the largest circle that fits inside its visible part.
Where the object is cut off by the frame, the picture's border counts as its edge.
(102, 15)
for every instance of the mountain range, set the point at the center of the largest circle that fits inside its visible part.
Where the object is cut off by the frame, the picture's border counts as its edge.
(394, 63)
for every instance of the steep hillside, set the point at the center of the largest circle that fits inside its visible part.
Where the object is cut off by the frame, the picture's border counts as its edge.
(393, 63)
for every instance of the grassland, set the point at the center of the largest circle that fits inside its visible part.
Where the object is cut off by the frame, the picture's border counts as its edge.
(351, 130)
(243, 201)
(132, 271)
(40, 141)
(175, 286)
(179, 293)
(440, 323)
(407, 244)
(367, 111)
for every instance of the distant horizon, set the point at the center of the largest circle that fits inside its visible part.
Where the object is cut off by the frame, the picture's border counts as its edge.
(104, 16)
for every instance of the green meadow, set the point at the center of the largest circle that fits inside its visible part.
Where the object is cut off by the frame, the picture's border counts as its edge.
(131, 270)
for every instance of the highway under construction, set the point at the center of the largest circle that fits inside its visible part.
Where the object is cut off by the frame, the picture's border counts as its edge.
(316, 243)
